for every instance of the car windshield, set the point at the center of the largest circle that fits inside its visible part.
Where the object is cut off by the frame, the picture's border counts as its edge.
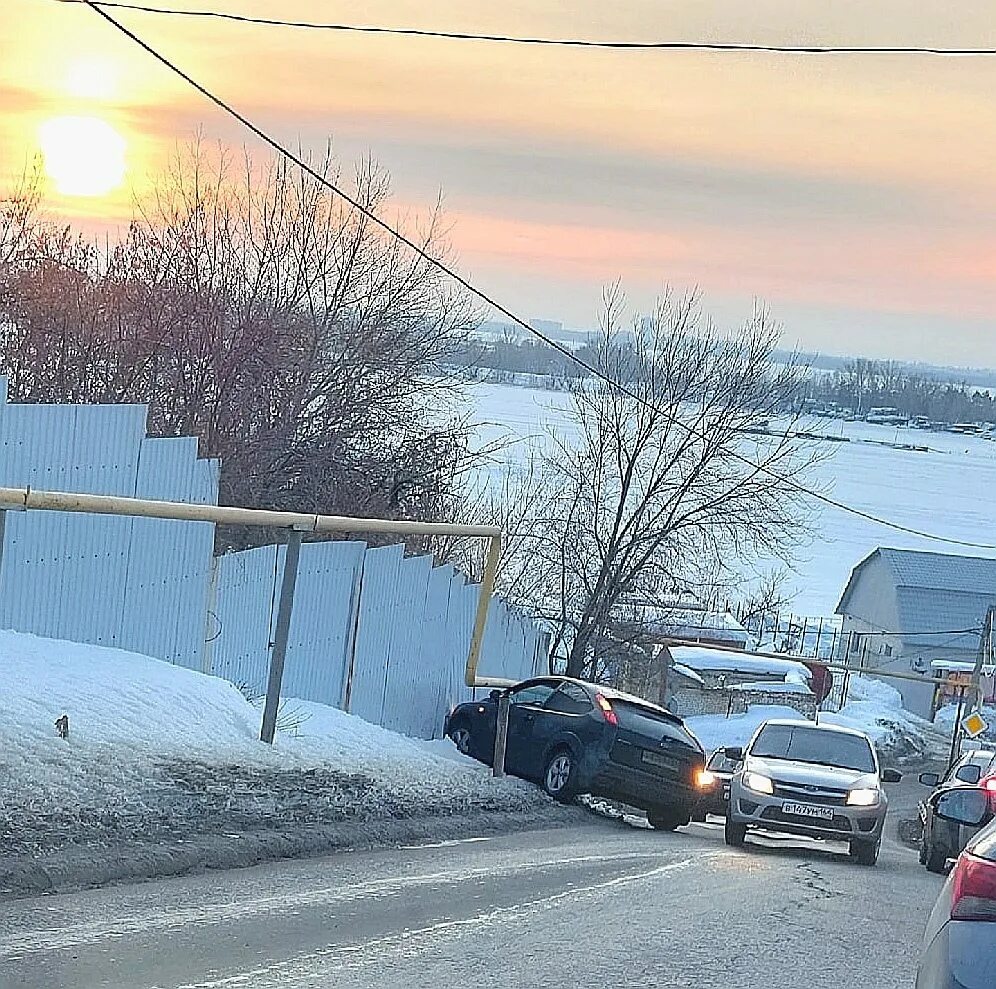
(815, 745)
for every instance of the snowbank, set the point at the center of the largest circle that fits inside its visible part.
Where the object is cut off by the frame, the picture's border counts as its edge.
(158, 750)
(714, 731)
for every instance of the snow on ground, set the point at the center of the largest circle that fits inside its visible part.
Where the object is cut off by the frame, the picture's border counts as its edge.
(872, 707)
(159, 750)
(946, 490)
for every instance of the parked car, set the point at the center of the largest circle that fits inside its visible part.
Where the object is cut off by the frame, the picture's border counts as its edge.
(804, 778)
(715, 785)
(941, 838)
(959, 943)
(574, 737)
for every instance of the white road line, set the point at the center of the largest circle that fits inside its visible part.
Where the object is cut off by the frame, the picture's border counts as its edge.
(159, 919)
(321, 962)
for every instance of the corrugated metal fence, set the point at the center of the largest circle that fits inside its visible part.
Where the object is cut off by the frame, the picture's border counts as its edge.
(380, 634)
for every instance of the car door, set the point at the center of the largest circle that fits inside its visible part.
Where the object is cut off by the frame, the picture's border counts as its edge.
(525, 707)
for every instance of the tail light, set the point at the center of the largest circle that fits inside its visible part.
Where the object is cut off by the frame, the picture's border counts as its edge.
(973, 889)
(606, 708)
(988, 783)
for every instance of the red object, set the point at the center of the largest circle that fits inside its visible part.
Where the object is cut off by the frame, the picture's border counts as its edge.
(973, 889)
(822, 680)
(988, 783)
(606, 709)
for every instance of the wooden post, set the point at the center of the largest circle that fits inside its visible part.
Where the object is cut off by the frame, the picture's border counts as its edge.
(501, 736)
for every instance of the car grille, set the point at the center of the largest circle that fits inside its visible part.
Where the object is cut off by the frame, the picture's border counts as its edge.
(808, 794)
(838, 823)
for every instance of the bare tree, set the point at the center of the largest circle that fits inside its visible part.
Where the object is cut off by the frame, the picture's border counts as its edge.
(251, 307)
(658, 486)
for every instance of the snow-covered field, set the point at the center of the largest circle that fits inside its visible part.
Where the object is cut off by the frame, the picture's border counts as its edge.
(159, 751)
(947, 490)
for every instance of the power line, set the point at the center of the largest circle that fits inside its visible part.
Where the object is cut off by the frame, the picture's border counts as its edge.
(96, 5)
(412, 32)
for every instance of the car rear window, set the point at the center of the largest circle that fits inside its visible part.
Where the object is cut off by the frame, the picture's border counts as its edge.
(815, 745)
(647, 721)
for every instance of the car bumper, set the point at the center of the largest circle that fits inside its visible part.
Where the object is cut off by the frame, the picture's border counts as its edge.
(766, 813)
(643, 790)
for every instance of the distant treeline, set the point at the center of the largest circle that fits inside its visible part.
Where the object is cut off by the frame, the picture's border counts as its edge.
(862, 384)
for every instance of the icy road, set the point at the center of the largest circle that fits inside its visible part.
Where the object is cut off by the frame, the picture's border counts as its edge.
(605, 904)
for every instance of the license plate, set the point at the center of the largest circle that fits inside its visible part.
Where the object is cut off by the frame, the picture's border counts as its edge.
(655, 758)
(808, 810)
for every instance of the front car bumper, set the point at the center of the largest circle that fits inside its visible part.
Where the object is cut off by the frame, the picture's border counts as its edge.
(766, 812)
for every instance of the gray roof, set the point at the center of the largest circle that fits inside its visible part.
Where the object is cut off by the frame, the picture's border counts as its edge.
(934, 592)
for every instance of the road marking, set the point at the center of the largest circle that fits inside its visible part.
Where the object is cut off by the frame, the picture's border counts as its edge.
(445, 844)
(307, 965)
(55, 939)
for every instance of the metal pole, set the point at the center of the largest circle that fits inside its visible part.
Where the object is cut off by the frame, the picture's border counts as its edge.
(501, 735)
(956, 733)
(483, 603)
(819, 635)
(286, 606)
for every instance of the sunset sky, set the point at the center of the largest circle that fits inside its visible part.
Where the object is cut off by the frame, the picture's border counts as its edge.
(856, 195)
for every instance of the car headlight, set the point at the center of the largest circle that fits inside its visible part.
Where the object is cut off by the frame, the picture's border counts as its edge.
(758, 783)
(704, 779)
(865, 796)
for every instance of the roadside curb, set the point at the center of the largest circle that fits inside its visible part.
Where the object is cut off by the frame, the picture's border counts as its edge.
(81, 868)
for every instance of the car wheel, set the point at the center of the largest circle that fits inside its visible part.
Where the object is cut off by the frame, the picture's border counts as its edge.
(864, 852)
(560, 776)
(460, 735)
(734, 833)
(666, 820)
(936, 858)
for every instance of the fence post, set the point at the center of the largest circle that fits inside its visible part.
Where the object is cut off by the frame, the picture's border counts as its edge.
(286, 606)
(501, 735)
(819, 635)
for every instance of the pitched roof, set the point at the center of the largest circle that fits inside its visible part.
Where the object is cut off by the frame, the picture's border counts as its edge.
(935, 592)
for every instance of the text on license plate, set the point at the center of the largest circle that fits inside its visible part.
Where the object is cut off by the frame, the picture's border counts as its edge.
(655, 758)
(808, 810)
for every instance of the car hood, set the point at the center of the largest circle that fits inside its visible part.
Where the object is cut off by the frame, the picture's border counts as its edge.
(790, 771)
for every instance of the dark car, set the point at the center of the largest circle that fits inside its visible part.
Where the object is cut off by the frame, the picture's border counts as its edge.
(959, 944)
(943, 839)
(714, 785)
(574, 737)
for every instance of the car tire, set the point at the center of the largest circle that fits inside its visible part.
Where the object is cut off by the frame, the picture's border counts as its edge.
(735, 834)
(935, 858)
(460, 736)
(666, 820)
(560, 776)
(864, 852)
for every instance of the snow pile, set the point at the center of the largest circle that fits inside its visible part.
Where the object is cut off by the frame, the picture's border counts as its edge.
(156, 750)
(945, 719)
(714, 731)
(876, 708)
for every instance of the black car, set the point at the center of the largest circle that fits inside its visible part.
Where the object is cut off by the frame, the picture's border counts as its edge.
(714, 785)
(959, 944)
(574, 737)
(942, 839)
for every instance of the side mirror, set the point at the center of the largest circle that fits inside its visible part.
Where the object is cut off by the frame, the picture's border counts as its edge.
(495, 695)
(963, 805)
(891, 776)
(969, 774)
(734, 753)
(928, 779)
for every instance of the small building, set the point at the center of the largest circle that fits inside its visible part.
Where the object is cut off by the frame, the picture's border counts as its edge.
(902, 610)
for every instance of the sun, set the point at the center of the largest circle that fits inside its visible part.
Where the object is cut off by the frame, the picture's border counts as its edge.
(84, 156)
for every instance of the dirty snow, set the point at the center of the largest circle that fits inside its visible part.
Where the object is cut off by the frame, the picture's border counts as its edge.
(158, 750)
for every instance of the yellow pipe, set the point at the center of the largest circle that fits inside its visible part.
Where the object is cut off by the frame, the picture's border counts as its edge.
(483, 602)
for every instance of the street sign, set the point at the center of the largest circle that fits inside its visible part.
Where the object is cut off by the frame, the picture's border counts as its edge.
(974, 724)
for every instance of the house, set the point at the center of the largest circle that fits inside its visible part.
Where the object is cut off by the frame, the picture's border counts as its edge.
(903, 610)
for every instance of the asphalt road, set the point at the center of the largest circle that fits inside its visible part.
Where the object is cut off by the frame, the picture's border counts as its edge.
(606, 903)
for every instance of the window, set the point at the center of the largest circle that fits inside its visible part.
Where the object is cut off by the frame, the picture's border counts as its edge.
(980, 759)
(534, 694)
(887, 650)
(855, 641)
(569, 699)
(816, 745)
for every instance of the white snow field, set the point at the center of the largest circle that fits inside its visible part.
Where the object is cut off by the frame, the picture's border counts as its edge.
(159, 750)
(946, 490)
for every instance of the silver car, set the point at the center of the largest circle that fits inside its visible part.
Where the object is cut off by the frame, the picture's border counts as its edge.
(802, 778)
